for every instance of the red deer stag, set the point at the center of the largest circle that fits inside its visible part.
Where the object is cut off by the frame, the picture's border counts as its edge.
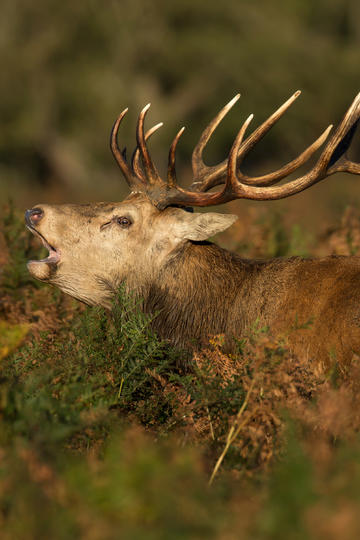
(157, 246)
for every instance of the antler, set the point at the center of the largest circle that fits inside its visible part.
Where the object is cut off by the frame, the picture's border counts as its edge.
(208, 177)
(238, 185)
(134, 176)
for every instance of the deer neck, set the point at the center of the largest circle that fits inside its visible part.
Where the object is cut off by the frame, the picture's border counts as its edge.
(193, 292)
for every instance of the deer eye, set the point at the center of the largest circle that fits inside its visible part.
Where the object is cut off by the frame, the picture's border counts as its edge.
(123, 222)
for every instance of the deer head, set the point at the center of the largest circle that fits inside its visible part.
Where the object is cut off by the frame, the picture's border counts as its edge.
(95, 247)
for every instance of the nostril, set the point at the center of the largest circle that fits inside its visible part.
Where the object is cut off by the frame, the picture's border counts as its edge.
(36, 214)
(33, 216)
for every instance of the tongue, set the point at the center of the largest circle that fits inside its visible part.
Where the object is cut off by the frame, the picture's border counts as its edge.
(53, 257)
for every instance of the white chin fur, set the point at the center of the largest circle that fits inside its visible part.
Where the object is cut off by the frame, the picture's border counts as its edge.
(39, 270)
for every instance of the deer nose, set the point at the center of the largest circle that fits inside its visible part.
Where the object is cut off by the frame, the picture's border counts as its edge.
(33, 216)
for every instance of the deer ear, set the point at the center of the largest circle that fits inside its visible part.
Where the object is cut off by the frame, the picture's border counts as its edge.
(202, 226)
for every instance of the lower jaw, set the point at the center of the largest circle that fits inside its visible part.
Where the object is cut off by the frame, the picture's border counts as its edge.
(42, 270)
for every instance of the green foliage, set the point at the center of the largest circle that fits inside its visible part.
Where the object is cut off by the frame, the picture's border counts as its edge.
(138, 473)
(281, 241)
(69, 393)
(353, 250)
(291, 491)
(139, 489)
(57, 387)
(104, 434)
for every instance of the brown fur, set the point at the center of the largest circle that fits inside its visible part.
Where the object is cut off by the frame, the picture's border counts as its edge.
(196, 288)
(311, 303)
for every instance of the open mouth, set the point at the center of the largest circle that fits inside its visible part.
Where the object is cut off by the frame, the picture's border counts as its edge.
(54, 253)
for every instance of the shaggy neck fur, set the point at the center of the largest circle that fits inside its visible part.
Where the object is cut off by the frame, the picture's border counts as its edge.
(205, 290)
(193, 292)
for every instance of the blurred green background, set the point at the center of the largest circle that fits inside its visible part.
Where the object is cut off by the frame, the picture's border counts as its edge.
(68, 68)
(71, 463)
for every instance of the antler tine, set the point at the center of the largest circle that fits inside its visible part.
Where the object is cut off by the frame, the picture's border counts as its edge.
(232, 185)
(341, 140)
(178, 195)
(259, 133)
(330, 155)
(327, 164)
(171, 175)
(274, 177)
(330, 150)
(150, 171)
(200, 170)
(118, 155)
(135, 160)
(213, 176)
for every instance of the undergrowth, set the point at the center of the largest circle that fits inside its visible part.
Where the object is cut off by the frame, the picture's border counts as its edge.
(107, 432)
